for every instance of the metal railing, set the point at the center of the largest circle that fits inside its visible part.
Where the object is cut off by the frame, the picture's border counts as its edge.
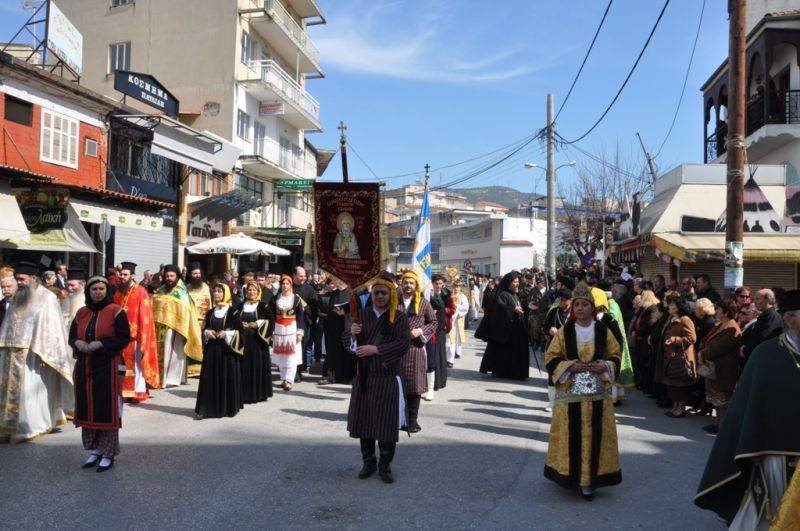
(778, 107)
(715, 143)
(270, 72)
(276, 10)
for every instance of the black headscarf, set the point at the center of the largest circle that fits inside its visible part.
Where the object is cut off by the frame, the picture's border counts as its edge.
(97, 306)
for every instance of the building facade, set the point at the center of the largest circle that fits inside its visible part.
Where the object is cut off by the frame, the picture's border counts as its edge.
(239, 69)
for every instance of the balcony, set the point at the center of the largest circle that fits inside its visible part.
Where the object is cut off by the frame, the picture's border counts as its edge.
(283, 33)
(267, 82)
(273, 160)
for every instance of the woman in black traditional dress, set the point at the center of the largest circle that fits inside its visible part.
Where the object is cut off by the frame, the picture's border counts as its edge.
(256, 365)
(507, 354)
(98, 334)
(219, 393)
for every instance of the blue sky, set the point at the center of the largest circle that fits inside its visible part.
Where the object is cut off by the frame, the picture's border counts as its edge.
(442, 81)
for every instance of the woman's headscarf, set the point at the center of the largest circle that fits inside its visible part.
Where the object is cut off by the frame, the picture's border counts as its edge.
(600, 300)
(418, 290)
(226, 298)
(385, 279)
(258, 289)
(583, 292)
(97, 306)
(285, 277)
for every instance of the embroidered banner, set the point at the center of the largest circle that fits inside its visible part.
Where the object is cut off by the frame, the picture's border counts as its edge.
(347, 225)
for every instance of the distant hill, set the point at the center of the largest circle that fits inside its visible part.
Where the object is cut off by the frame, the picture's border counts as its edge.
(503, 195)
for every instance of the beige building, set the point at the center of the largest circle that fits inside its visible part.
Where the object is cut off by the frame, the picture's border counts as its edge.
(239, 70)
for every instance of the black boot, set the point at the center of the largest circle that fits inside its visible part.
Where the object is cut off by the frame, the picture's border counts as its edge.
(412, 402)
(387, 454)
(368, 456)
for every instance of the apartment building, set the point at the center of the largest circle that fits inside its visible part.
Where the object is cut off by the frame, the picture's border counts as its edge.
(239, 69)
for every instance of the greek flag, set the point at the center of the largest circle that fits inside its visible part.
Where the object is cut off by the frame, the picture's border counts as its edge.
(421, 259)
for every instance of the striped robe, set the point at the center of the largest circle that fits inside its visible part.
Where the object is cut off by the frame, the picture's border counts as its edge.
(374, 411)
(415, 364)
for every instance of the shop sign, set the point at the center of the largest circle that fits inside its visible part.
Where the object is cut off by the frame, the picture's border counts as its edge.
(146, 89)
(294, 185)
(271, 109)
(140, 188)
(199, 230)
(43, 209)
(292, 241)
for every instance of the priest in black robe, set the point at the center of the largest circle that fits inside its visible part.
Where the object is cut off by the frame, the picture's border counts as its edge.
(507, 354)
(340, 364)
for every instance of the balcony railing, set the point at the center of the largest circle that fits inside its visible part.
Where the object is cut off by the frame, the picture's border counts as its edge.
(281, 16)
(270, 72)
(779, 107)
(715, 144)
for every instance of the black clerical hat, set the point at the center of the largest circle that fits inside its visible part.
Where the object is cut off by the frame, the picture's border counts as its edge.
(77, 274)
(195, 265)
(567, 282)
(790, 301)
(130, 266)
(27, 268)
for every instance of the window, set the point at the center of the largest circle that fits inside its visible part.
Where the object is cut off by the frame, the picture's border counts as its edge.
(115, 3)
(18, 111)
(119, 57)
(251, 186)
(243, 125)
(260, 135)
(248, 48)
(59, 139)
(91, 148)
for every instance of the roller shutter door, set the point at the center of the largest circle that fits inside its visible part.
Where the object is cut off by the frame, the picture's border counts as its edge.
(756, 274)
(148, 249)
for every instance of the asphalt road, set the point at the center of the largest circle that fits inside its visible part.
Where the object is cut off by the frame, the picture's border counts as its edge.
(289, 464)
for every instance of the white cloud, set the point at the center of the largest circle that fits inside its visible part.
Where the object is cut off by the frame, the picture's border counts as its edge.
(423, 43)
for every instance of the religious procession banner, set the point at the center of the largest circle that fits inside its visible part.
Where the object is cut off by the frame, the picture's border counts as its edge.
(347, 225)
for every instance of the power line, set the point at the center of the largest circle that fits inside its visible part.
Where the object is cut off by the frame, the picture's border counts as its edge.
(685, 79)
(363, 161)
(453, 165)
(596, 33)
(624, 83)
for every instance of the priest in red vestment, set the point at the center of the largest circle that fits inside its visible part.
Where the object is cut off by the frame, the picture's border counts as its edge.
(141, 354)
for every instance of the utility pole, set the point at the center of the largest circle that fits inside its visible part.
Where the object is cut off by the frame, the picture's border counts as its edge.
(343, 147)
(649, 160)
(734, 232)
(551, 189)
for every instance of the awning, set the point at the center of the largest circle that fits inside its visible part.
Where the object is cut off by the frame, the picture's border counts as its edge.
(226, 206)
(73, 238)
(12, 225)
(118, 217)
(178, 142)
(238, 244)
(692, 248)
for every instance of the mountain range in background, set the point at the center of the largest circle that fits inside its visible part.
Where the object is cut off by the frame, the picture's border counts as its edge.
(502, 195)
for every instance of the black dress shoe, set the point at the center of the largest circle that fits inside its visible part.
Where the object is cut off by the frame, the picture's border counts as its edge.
(93, 463)
(672, 415)
(367, 470)
(102, 468)
(386, 475)
(588, 497)
(711, 428)
(449, 365)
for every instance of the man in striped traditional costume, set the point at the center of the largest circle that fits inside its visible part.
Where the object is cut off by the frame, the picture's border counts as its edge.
(422, 325)
(380, 339)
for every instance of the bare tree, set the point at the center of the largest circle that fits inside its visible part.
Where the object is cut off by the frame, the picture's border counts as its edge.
(606, 183)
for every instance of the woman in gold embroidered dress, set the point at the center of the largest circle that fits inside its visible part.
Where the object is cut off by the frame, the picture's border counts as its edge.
(583, 360)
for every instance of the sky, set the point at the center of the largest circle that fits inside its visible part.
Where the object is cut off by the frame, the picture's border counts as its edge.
(440, 82)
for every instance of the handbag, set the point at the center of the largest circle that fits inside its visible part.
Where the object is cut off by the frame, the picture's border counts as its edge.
(678, 367)
(707, 370)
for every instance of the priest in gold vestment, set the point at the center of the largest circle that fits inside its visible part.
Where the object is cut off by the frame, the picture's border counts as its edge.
(583, 360)
(36, 362)
(177, 331)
